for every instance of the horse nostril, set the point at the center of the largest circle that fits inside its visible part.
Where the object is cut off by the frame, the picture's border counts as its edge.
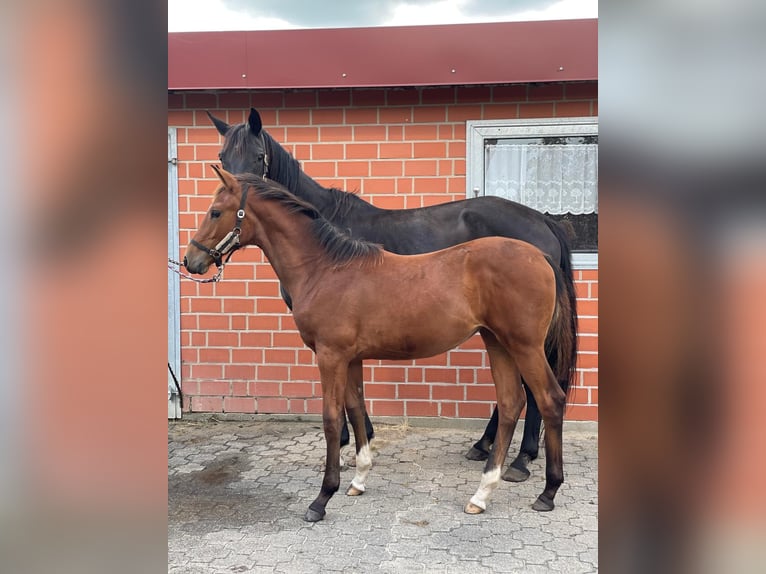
(185, 263)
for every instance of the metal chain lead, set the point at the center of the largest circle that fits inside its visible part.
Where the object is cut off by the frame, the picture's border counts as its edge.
(215, 278)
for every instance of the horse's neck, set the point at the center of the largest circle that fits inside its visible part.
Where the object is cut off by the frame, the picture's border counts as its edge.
(341, 208)
(289, 173)
(289, 244)
(308, 189)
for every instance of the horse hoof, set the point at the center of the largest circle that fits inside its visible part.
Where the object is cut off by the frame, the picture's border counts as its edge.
(543, 504)
(313, 515)
(476, 454)
(471, 508)
(354, 491)
(514, 474)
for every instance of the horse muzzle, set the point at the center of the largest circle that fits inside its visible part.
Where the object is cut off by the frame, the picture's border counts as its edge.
(197, 263)
(227, 246)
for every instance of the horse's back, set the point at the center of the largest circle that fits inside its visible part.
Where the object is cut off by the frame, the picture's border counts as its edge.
(506, 258)
(484, 271)
(490, 215)
(428, 229)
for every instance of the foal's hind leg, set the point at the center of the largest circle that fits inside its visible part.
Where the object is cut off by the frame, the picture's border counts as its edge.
(356, 414)
(530, 443)
(510, 401)
(550, 399)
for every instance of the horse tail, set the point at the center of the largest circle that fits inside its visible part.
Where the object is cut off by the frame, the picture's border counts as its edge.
(561, 342)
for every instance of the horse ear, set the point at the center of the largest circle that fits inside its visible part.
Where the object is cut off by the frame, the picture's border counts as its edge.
(226, 178)
(220, 125)
(256, 125)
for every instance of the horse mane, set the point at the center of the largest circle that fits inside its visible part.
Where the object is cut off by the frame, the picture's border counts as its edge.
(287, 170)
(340, 247)
(284, 168)
(238, 141)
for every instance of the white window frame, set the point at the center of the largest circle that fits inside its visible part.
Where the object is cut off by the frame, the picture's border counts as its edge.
(479, 130)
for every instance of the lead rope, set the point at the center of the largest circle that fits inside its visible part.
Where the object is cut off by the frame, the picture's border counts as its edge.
(178, 387)
(215, 278)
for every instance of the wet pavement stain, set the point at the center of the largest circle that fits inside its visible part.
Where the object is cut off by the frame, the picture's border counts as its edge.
(222, 471)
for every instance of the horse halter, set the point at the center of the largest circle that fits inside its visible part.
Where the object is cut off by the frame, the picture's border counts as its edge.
(265, 158)
(230, 243)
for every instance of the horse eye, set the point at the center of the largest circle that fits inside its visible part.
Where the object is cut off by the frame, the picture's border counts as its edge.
(215, 214)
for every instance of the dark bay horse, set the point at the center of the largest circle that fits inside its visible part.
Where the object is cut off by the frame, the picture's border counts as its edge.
(248, 148)
(344, 292)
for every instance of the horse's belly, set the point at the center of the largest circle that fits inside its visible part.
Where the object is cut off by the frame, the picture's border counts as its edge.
(414, 344)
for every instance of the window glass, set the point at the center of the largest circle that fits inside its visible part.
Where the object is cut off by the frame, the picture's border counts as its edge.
(557, 176)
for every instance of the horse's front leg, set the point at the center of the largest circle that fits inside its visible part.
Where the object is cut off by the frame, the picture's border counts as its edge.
(333, 371)
(357, 415)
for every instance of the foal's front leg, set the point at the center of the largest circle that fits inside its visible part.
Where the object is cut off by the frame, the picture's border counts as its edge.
(333, 371)
(357, 413)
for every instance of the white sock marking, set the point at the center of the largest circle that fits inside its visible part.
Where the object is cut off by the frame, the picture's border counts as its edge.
(363, 466)
(489, 481)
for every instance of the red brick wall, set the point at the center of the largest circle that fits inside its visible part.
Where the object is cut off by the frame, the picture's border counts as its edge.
(400, 148)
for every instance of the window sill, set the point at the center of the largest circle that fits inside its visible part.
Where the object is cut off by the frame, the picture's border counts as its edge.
(584, 261)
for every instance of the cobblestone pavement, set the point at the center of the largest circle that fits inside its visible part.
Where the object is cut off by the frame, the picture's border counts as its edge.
(237, 492)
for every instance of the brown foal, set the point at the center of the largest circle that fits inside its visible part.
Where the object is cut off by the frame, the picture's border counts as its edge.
(353, 301)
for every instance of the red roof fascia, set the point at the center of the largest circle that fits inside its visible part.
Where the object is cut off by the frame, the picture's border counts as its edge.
(506, 52)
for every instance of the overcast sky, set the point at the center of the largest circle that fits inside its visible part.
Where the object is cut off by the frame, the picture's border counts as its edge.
(212, 15)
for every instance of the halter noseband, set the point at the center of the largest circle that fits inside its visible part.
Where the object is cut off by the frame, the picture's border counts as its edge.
(230, 243)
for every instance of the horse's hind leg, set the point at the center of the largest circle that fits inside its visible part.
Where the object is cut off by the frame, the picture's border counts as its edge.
(530, 443)
(345, 437)
(510, 401)
(357, 414)
(480, 449)
(333, 371)
(550, 399)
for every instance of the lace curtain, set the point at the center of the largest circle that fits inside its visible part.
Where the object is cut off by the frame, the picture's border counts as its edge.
(553, 179)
